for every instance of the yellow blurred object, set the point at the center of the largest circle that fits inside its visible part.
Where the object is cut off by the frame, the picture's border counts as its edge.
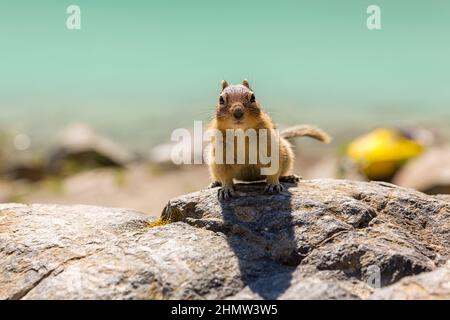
(381, 152)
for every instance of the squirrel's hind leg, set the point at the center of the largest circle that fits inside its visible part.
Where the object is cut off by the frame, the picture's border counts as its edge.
(293, 178)
(214, 184)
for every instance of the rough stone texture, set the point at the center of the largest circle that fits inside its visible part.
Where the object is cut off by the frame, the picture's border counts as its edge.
(321, 239)
(430, 285)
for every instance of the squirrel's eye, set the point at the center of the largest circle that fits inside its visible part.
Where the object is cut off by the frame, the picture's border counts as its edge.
(252, 98)
(221, 100)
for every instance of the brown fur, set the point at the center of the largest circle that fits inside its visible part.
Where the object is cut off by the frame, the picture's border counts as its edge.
(240, 97)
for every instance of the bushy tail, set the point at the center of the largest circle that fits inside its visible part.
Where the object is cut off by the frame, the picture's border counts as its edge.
(306, 131)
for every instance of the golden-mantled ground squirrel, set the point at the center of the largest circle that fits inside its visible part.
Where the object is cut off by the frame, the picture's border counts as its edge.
(238, 109)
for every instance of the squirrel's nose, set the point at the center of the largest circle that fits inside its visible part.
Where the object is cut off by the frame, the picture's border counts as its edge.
(238, 113)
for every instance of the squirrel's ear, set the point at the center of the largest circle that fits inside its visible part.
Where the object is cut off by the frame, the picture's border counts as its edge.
(245, 83)
(224, 84)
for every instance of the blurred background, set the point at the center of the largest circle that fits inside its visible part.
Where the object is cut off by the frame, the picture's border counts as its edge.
(86, 115)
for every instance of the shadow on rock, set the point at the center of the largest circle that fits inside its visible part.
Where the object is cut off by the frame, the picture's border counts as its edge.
(262, 238)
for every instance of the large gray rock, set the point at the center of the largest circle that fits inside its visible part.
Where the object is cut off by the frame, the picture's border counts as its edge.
(322, 239)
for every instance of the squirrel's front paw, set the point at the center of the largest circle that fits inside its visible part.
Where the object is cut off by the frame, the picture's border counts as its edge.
(274, 188)
(225, 193)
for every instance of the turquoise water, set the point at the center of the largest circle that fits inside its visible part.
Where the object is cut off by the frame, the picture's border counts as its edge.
(138, 69)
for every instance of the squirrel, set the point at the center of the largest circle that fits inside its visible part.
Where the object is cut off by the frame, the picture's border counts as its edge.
(238, 108)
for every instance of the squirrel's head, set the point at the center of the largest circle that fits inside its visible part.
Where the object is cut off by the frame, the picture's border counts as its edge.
(237, 106)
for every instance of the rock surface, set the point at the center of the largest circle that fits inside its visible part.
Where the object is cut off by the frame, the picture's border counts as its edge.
(430, 285)
(322, 239)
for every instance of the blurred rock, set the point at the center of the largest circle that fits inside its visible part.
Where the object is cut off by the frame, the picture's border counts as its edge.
(17, 162)
(318, 166)
(425, 136)
(2, 149)
(5, 191)
(31, 171)
(320, 239)
(161, 154)
(138, 186)
(429, 173)
(79, 146)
